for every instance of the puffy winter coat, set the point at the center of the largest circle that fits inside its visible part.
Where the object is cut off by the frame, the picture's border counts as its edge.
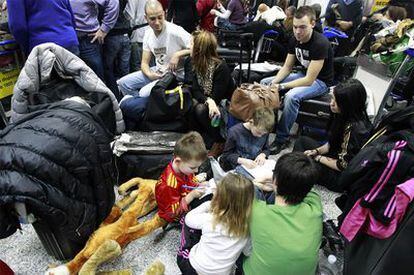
(57, 161)
(48, 62)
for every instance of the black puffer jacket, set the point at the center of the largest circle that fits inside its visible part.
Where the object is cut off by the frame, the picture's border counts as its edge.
(57, 161)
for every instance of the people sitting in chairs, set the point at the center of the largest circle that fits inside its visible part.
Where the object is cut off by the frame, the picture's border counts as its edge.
(269, 15)
(318, 9)
(315, 54)
(164, 40)
(230, 18)
(391, 16)
(345, 15)
(211, 82)
(349, 130)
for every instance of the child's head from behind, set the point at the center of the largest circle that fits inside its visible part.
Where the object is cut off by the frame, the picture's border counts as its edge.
(294, 176)
(232, 204)
(189, 153)
(262, 121)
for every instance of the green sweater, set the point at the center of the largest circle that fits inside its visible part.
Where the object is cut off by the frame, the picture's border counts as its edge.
(285, 239)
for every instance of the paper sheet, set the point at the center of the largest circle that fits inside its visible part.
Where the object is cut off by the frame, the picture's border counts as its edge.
(264, 171)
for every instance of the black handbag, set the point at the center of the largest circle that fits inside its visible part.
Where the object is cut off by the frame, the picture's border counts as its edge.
(168, 100)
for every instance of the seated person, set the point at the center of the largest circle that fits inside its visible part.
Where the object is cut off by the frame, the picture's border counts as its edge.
(318, 9)
(247, 143)
(167, 42)
(349, 130)
(211, 82)
(269, 15)
(346, 15)
(391, 16)
(408, 5)
(288, 22)
(215, 233)
(286, 236)
(174, 191)
(314, 52)
(230, 18)
(206, 18)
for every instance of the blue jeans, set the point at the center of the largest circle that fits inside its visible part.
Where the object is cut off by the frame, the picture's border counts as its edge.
(73, 49)
(225, 24)
(133, 111)
(91, 53)
(268, 197)
(117, 49)
(293, 98)
(136, 83)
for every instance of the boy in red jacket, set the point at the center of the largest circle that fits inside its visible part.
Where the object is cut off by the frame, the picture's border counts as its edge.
(177, 186)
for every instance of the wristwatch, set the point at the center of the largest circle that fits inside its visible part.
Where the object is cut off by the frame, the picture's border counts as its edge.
(281, 87)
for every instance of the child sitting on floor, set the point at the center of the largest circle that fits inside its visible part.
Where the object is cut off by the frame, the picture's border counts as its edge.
(177, 186)
(215, 233)
(247, 143)
(286, 236)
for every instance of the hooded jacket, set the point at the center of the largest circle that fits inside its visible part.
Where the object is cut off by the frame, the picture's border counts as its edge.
(58, 162)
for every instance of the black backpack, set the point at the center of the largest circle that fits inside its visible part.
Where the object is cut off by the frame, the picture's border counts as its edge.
(168, 100)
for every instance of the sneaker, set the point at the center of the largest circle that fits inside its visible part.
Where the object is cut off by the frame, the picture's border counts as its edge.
(276, 147)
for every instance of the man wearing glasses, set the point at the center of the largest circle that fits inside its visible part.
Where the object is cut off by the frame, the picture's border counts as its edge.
(313, 51)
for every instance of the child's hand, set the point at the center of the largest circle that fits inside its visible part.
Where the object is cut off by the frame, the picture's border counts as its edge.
(265, 178)
(201, 177)
(311, 153)
(249, 163)
(260, 159)
(267, 187)
(196, 193)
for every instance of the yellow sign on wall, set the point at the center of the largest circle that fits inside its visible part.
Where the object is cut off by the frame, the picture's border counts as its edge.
(7, 81)
(379, 4)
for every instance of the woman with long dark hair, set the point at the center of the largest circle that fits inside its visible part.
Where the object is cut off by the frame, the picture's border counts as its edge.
(349, 130)
(211, 82)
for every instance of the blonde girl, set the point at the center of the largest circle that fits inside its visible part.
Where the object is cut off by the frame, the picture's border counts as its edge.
(215, 233)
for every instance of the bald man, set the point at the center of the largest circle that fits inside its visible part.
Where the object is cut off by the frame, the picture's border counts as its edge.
(164, 40)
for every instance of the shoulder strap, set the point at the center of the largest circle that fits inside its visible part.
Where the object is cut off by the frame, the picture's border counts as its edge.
(139, 26)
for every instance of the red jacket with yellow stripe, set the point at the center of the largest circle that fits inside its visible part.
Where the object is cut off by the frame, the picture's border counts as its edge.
(170, 194)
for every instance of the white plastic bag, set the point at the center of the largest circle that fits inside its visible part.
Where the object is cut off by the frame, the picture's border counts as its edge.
(218, 172)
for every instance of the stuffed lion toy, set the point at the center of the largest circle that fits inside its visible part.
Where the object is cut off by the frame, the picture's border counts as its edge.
(119, 229)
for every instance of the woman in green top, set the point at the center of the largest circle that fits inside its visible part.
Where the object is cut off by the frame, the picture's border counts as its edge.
(286, 236)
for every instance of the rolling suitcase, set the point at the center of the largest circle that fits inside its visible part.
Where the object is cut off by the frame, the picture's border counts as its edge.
(144, 154)
(315, 113)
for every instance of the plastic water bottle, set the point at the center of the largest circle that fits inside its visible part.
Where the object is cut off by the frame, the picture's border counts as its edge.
(331, 254)
(215, 121)
(328, 265)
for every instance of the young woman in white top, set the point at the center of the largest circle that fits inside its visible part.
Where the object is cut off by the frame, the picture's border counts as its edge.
(215, 233)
